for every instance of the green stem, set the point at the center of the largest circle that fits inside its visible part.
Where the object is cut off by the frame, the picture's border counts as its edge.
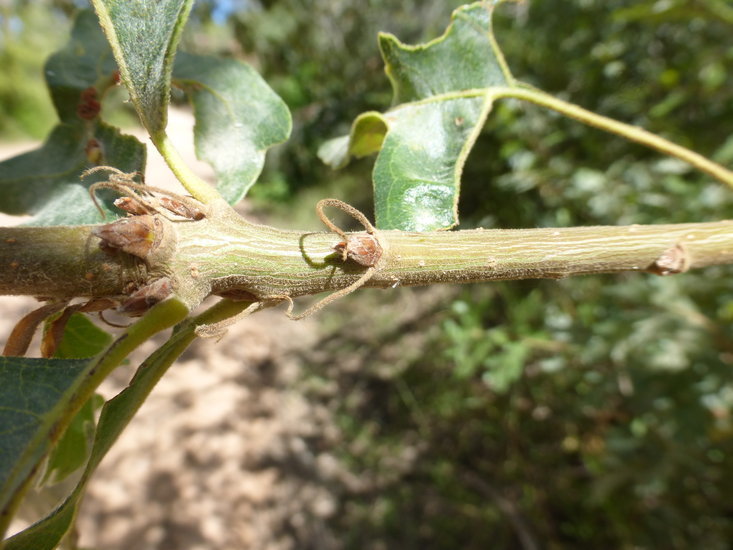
(63, 262)
(633, 133)
(197, 187)
(230, 255)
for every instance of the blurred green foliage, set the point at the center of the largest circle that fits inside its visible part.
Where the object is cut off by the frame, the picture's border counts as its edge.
(591, 412)
(322, 58)
(29, 33)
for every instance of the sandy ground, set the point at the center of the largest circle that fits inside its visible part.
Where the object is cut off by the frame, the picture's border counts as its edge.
(219, 455)
(224, 454)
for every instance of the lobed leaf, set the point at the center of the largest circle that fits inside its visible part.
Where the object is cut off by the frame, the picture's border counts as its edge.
(442, 95)
(85, 60)
(46, 182)
(144, 36)
(238, 117)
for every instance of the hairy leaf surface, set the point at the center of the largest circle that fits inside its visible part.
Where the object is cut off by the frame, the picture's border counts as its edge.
(238, 117)
(86, 60)
(144, 36)
(47, 181)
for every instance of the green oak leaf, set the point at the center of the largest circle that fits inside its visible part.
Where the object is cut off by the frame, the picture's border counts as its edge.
(238, 117)
(72, 450)
(115, 415)
(31, 390)
(144, 36)
(81, 339)
(38, 395)
(442, 96)
(47, 181)
(366, 138)
(86, 60)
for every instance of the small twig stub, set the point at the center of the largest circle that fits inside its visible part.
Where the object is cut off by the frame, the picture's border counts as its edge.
(363, 248)
(672, 261)
(140, 199)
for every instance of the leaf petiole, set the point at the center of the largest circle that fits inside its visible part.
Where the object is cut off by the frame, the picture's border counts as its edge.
(199, 189)
(630, 132)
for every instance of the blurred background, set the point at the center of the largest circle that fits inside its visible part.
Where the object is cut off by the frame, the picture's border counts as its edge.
(592, 412)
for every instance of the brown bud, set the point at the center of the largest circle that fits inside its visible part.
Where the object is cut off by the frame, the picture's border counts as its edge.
(139, 235)
(146, 297)
(89, 106)
(673, 260)
(362, 248)
(131, 206)
(184, 210)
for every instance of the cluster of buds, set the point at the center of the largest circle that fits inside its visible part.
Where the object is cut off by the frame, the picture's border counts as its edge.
(145, 234)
